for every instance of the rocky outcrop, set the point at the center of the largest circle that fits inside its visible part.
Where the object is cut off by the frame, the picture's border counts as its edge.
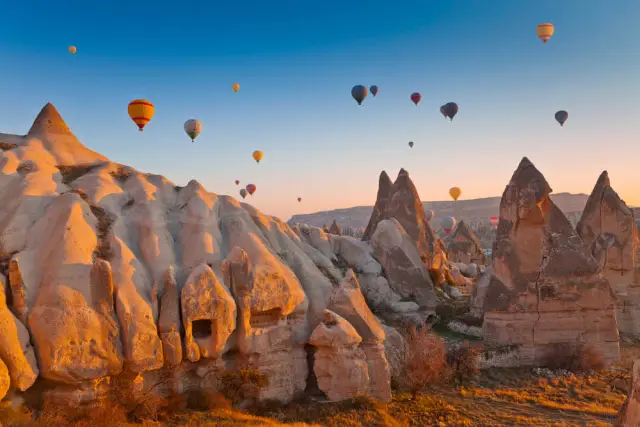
(5, 380)
(407, 275)
(629, 413)
(169, 322)
(545, 287)
(463, 246)
(335, 228)
(479, 293)
(608, 229)
(380, 207)
(340, 365)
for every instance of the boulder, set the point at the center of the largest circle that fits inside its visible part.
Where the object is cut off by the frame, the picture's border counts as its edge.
(546, 287)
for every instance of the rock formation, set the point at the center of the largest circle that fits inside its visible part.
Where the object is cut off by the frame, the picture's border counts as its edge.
(608, 229)
(463, 246)
(546, 287)
(335, 228)
(118, 276)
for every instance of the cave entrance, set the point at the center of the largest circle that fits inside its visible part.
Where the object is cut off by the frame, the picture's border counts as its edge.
(201, 328)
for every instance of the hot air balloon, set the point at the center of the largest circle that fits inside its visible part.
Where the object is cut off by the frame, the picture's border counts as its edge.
(258, 155)
(359, 93)
(141, 112)
(416, 97)
(450, 109)
(235, 87)
(72, 50)
(448, 223)
(494, 221)
(411, 144)
(193, 128)
(237, 182)
(299, 199)
(243, 193)
(429, 214)
(545, 31)
(561, 117)
(374, 90)
(251, 189)
(444, 114)
(455, 192)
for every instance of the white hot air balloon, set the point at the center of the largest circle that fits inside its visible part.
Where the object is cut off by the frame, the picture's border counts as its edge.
(193, 128)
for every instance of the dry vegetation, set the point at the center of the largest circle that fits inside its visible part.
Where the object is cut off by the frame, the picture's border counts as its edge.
(493, 397)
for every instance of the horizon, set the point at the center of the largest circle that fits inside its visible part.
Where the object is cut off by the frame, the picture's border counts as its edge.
(295, 104)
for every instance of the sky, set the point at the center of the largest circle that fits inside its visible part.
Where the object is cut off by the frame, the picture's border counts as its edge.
(296, 63)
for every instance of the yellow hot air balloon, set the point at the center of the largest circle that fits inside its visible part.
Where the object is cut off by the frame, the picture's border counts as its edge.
(455, 192)
(235, 87)
(545, 31)
(73, 50)
(258, 155)
(141, 111)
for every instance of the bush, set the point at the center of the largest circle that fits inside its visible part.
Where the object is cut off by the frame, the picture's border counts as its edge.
(463, 362)
(424, 359)
(241, 384)
(206, 400)
(574, 357)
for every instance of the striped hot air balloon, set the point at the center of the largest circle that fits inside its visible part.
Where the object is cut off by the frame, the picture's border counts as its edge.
(141, 112)
(545, 31)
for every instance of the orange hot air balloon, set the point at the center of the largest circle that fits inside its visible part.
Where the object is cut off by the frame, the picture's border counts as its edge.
(141, 112)
(545, 31)
(455, 192)
(251, 189)
(258, 155)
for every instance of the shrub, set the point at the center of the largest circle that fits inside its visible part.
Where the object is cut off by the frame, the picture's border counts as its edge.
(206, 400)
(574, 357)
(424, 359)
(241, 384)
(463, 362)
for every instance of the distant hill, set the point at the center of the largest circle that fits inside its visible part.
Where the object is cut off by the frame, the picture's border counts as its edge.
(472, 211)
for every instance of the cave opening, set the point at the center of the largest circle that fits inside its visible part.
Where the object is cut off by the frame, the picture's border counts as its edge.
(201, 328)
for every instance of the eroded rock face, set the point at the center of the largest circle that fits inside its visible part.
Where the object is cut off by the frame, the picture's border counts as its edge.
(545, 287)
(464, 246)
(407, 275)
(608, 229)
(629, 414)
(169, 322)
(380, 207)
(479, 293)
(335, 228)
(340, 365)
(5, 380)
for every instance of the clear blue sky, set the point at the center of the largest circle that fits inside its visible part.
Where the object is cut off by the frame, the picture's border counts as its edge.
(296, 62)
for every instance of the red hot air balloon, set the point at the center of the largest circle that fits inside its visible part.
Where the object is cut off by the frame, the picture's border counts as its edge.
(251, 189)
(494, 221)
(237, 182)
(416, 97)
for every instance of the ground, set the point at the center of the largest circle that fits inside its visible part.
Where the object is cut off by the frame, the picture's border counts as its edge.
(498, 397)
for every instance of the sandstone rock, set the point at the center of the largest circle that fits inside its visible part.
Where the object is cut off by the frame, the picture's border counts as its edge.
(169, 322)
(608, 229)
(18, 291)
(208, 314)
(629, 414)
(347, 301)
(15, 346)
(545, 287)
(335, 228)
(340, 365)
(380, 207)
(479, 293)
(394, 348)
(5, 381)
(397, 254)
(463, 246)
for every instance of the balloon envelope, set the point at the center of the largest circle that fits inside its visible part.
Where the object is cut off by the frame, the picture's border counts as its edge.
(444, 114)
(193, 128)
(235, 87)
(545, 31)
(455, 192)
(450, 109)
(359, 93)
(72, 50)
(237, 181)
(243, 193)
(251, 188)
(299, 199)
(448, 223)
(141, 112)
(258, 155)
(561, 117)
(494, 220)
(411, 144)
(429, 214)
(416, 97)
(374, 90)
